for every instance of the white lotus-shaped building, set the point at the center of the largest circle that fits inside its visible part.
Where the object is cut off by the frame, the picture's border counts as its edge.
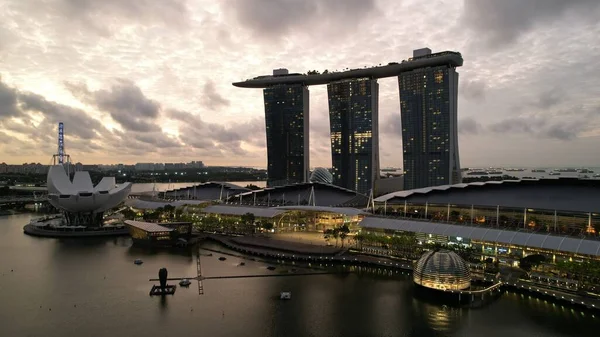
(83, 203)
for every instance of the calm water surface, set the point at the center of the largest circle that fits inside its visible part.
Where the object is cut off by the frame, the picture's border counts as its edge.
(92, 288)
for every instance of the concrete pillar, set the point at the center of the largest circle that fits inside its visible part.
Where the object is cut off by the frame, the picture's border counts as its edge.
(448, 214)
(472, 214)
(525, 218)
(426, 207)
(405, 208)
(498, 216)
(555, 221)
(385, 207)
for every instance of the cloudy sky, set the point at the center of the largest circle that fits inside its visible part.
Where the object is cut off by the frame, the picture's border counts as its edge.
(150, 80)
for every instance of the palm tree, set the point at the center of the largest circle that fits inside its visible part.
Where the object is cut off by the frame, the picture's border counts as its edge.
(359, 238)
(327, 234)
(336, 235)
(343, 233)
(247, 220)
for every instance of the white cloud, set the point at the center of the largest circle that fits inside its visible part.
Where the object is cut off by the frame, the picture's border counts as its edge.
(184, 55)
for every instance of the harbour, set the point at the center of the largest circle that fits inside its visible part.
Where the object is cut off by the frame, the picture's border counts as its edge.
(376, 302)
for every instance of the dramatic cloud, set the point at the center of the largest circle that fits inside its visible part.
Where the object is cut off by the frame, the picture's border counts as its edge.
(277, 18)
(107, 16)
(392, 125)
(125, 103)
(213, 99)
(219, 139)
(473, 90)
(468, 126)
(8, 101)
(150, 80)
(568, 129)
(502, 22)
(32, 116)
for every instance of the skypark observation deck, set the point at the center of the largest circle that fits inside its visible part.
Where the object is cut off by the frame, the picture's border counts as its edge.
(453, 59)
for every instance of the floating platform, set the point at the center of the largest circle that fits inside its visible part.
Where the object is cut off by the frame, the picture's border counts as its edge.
(157, 290)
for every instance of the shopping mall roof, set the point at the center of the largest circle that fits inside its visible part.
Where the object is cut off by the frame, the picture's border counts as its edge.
(154, 204)
(563, 194)
(324, 195)
(339, 210)
(260, 212)
(269, 212)
(148, 226)
(526, 239)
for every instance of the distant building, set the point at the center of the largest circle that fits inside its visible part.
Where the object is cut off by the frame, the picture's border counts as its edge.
(144, 167)
(388, 185)
(321, 175)
(286, 116)
(353, 118)
(428, 103)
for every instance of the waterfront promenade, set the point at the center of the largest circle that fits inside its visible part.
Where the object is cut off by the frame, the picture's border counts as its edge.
(280, 249)
(296, 248)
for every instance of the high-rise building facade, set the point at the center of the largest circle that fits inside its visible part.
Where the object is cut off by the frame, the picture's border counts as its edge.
(353, 118)
(286, 117)
(428, 104)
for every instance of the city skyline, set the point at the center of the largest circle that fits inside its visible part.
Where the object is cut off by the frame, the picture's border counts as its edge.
(157, 85)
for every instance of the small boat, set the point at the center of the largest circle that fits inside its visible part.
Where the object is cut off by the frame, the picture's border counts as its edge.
(271, 268)
(185, 282)
(242, 264)
(138, 261)
(222, 258)
(285, 295)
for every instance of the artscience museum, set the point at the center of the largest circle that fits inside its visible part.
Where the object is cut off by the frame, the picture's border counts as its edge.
(82, 205)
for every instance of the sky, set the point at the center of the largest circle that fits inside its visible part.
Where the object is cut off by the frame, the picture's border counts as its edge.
(150, 80)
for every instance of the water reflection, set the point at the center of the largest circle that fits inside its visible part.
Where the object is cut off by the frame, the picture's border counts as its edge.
(440, 319)
(551, 315)
(99, 277)
(163, 303)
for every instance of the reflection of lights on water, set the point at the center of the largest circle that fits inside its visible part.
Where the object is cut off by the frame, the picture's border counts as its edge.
(444, 319)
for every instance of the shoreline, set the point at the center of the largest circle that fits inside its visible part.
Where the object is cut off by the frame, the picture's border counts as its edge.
(359, 259)
(34, 230)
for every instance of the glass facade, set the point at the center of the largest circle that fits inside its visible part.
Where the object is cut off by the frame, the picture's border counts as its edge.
(286, 117)
(353, 117)
(428, 103)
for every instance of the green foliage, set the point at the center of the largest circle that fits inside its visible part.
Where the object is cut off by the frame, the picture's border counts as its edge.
(128, 213)
(343, 232)
(582, 271)
(248, 218)
(530, 261)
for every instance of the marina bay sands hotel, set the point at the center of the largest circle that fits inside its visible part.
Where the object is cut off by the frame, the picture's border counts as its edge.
(428, 103)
